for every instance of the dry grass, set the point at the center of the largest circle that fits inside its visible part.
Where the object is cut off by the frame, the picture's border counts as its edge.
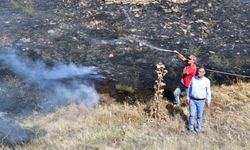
(121, 126)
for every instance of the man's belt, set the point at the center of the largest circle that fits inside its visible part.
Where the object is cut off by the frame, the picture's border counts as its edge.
(198, 99)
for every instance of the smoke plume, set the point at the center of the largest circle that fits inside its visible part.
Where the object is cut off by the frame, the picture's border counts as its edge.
(51, 80)
(57, 85)
(11, 133)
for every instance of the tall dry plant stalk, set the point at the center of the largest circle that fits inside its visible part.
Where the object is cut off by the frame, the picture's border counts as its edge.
(157, 108)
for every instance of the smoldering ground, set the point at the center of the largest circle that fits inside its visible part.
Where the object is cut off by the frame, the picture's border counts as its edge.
(39, 87)
(11, 133)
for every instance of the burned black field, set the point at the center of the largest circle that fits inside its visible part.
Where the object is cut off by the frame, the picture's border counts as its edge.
(65, 62)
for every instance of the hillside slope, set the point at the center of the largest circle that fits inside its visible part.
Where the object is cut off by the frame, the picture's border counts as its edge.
(121, 126)
(112, 35)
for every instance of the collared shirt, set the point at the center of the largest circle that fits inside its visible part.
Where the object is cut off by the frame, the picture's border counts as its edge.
(186, 78)
(199, 89)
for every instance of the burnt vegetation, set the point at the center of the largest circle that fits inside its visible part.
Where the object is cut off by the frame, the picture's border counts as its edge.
(117, 36)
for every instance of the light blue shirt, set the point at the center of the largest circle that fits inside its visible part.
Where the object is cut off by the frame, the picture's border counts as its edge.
(199, 89)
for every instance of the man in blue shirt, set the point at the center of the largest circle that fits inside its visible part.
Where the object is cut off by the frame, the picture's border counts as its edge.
(198, 94)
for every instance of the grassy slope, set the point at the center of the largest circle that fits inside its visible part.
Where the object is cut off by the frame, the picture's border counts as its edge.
(117, 126)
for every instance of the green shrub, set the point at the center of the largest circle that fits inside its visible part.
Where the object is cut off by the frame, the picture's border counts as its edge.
(12, 81)
(219, 61)
(26, 7)
(194, 50)
(210, 25)
(124, 89)
(37, 130)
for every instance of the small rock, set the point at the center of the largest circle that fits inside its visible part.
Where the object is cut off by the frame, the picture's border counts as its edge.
(136, 10)
(175, 9)
(51, 31)
(140, 44)
(25, 40)
(52, 23)
(192, 34)
(199, 10)
(180, 1)
(184, 31)
(201, 21)
(209, 4)
(111, 55)
(133, 30)
(164, 36)
(167, 10)
(26, 49)
(137, 15)
(66, 26)
(211, 52)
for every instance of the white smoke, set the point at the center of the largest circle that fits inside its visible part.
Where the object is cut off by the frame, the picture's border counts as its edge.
(11, 133)
(50, 79)
(58, 85)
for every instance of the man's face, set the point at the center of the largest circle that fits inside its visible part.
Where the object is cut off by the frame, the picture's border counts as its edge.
(201, 72)
(190, 60)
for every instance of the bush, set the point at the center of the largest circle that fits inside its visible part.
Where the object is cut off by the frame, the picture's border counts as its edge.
(125, 89)
(26, 7)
